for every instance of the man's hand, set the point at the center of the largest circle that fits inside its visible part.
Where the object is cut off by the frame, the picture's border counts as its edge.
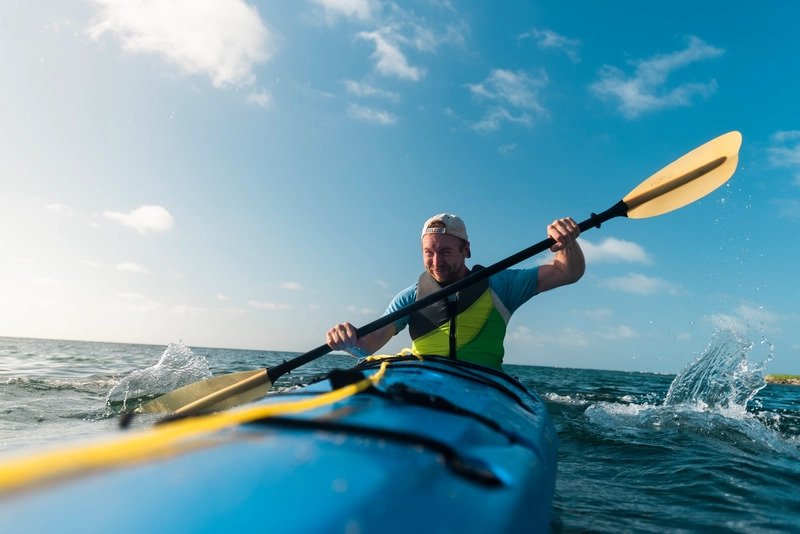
(564, 231)
(342, 337)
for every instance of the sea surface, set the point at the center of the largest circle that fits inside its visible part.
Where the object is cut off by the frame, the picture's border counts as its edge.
(712, 449)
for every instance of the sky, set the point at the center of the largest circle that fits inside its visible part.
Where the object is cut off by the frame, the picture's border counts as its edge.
(246, 174)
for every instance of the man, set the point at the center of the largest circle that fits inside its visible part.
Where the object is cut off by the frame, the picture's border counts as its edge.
(471, 325)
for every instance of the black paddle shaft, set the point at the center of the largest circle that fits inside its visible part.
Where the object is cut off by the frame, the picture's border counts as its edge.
(617, 210)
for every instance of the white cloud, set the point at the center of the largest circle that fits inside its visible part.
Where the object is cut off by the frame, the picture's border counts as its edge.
(514, 88)
(389, 59)
(262, 98)
(186, 310)
(507, 149)
(395, 33)
(788, 208)
(785, 151)
(60, 209)
(599, 314)
(427, 40)
(131, 267)
(726, 321)
(785, 135)
(378, 116)
(548, 39)
(222, 297)
(495, 117)
(55, 26)
(647, 90)
(222, 39)
(141, 304)
(267, 305)
(569, 337)
(758, 315)
(754, 321)
(512, 97)
(144, 219)
(617, 333)
(353, 9)
(362, 89)
(640, 284)
(785, 156)
(565, 337)
(614, 250)
(292, 286)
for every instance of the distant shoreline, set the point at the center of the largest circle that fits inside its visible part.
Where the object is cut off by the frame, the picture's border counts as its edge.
(792, 380)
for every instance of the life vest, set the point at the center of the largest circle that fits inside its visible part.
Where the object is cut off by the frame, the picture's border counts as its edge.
(466, 326)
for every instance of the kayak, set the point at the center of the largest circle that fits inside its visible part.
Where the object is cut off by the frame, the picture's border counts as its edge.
(395, 444)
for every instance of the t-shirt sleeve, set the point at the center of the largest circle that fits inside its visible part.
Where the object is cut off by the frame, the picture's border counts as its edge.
(515, 287)
(400, 301)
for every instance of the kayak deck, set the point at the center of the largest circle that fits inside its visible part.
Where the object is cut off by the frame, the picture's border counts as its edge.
(388, 446)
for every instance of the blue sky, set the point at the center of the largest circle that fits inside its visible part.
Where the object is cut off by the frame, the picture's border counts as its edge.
(246, 174)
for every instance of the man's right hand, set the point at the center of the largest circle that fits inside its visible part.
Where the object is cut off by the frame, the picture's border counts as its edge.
(342, 337)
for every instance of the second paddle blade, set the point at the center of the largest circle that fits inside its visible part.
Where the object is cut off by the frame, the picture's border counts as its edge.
(174, 400)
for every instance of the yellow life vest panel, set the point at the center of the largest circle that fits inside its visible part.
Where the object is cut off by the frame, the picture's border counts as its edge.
(466, 326)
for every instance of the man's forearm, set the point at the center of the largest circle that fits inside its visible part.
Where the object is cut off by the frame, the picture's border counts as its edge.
(570, 262)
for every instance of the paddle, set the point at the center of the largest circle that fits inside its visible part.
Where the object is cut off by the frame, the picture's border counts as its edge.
(682, 182)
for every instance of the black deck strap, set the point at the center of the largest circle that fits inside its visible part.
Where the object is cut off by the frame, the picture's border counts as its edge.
(467, 371)
(126, 419)
(460, 364)
(402, 393)
(372, 363)
(344, 377)
(469, 468)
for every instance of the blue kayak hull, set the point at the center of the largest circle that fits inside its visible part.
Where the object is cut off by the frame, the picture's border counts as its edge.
(432, 446)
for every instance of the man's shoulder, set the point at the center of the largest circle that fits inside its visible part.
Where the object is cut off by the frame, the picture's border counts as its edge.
(511, 276)
(409, 294)
(514, 286)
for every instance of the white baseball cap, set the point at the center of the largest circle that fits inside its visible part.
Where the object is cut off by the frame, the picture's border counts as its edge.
(446, 223)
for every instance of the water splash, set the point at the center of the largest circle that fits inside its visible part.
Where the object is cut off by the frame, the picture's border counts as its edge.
(706, 404)
(722, 378)
(178, 366)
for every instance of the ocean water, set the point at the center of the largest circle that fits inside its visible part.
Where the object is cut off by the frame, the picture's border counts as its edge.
(713, 449)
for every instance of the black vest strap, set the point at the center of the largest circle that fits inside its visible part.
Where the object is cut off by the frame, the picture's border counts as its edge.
(437, 314)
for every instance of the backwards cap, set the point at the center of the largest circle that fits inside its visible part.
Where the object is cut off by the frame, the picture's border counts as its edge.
(446, 223)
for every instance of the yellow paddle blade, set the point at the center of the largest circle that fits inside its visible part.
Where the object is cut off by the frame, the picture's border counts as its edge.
(687, 179)
(214, 394)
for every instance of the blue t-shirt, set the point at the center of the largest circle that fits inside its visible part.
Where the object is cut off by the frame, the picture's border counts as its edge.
(514, 287)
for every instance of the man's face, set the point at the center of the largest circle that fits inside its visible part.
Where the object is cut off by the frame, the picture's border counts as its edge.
(444, 256)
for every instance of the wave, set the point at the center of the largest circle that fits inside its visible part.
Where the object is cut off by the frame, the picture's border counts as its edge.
(177, 367)
(707, 403)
